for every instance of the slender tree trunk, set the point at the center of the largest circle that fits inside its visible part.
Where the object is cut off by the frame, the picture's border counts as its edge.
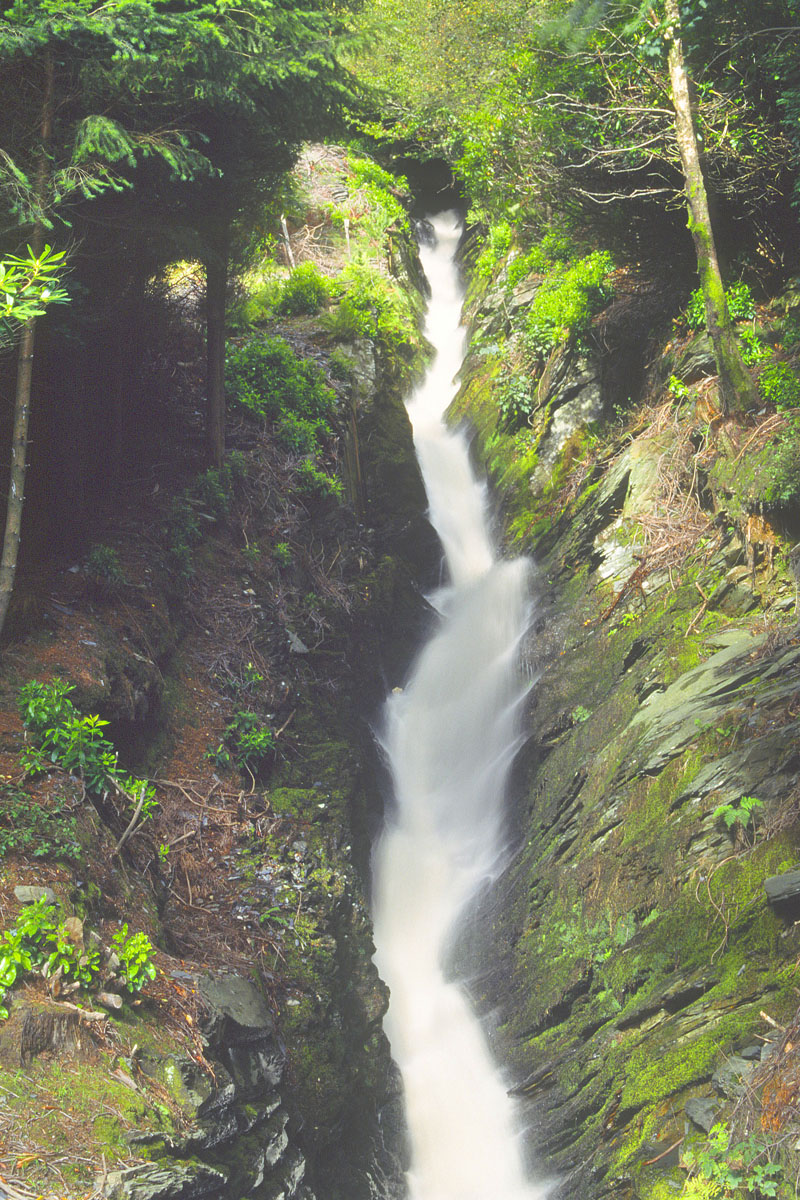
(736, 385)
(216, 286)
(22, 400)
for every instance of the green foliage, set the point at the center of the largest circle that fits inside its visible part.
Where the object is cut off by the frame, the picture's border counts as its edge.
(213, 491)
(260, 305)
(580, 714)
(373, 306)
(282, 553)
(555, 248)
(677, 389)
(215, 487)
(247, 682)
(565, 303)
(61, 736)
(246, 743)
(741, 305)
(148, 80)
(103, 569)
(743, 813)
(135, 957)
(780, 386)
(341, 367)
(744, 1164)
(43, 943)
(372, 205)
(27, 286)
(28, 828)
(301, 435)
(266, 378)
(494, 250)
(68, 958)
(313, 481)
(753, 349)
(791, 331)
(768, 478)
(305, 291)
(514, 398)
(349, 320)
(20, 947)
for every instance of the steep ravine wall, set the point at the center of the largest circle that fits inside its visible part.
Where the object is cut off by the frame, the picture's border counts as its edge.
(639, 983)
(255, 1064)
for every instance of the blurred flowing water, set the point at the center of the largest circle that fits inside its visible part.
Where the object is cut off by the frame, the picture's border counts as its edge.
(450, 738)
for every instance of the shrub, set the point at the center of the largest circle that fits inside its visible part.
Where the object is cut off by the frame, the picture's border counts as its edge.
(372, 203)
(677, 389)
(260, 305)
(266, 378)
(305, 291)
(783, 487)
(299, 434)
(741, 305)
(791, 330)
(246, 743)
(566, 302)
(135, 958)
(752, 347)
(42, 943)
(213, 493)
(495, 248)
(28, 828)
(62, 737)
(372, 306)
(348, 321)
(780, 386)
(312, 480)
(732, 1167)
(515, 399)
(103, 570)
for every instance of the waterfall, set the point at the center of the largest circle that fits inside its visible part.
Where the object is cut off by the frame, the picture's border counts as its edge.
(450, 737)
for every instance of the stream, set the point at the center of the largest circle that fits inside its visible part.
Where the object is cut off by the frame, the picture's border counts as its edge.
(450, 737)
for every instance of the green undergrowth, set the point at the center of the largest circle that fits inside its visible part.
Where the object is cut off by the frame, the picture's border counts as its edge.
(66, 1104)
(371, 305)
(35, 831)
(58, 735)
(214, 493)
(376, 202)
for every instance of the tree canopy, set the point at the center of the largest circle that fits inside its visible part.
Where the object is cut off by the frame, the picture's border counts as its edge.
(570, 104)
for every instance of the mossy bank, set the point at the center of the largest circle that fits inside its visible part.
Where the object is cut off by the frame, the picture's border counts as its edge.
(640, 982)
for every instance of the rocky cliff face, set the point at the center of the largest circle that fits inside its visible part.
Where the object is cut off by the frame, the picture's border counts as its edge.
(642, 965)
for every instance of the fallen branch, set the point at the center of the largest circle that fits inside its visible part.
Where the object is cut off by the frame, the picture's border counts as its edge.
(196, 803)
(134, 821)
(701, 612)
(649, 1162)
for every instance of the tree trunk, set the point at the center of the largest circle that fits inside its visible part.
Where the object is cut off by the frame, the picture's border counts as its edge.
(216, 286)
(22, 399)
(735, 383)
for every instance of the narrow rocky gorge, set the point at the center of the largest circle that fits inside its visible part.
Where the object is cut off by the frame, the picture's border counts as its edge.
(635, 961)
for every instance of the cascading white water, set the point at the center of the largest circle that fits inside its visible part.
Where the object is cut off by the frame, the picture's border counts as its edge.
(450, 738)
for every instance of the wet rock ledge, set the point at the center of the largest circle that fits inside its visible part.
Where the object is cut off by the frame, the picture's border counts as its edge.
(642, 943)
